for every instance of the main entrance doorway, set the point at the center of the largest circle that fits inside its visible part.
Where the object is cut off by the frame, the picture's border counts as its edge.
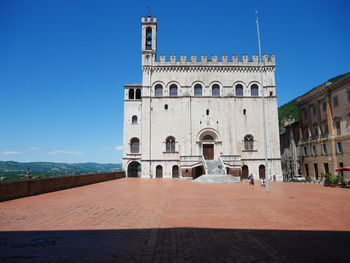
(208, 151)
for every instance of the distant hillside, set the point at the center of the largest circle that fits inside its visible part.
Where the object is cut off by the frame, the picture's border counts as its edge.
(10, 168)
(288, 111)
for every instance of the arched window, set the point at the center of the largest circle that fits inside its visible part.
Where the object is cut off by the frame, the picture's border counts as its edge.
(170, 144)
(131, 94)
(134, 119)
(248, 142)
(158, 90)
(215, 90)
(208, 138)
(148, 38)
(173, 90)
(134, 145)
(239, 90)
(198, 90)
(254, 90)
(138, 94)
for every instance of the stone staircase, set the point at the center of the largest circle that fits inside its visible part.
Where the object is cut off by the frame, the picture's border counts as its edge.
(216, 175)
(213, 167)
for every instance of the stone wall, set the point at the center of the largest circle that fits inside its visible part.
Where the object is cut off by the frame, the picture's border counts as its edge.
(23, 188)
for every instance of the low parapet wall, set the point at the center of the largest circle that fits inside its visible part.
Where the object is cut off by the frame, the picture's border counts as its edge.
(16, 189)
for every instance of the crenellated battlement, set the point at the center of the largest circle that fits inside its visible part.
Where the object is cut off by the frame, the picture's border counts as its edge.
(215, 60)
(148, 19)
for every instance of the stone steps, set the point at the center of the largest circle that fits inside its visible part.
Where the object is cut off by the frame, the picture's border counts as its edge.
(217, 179)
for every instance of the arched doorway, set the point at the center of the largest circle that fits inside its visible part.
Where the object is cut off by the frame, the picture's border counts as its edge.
(175, 172)
(197, 171)
(262, 171)
(134, 169)
(208, 147)
(159, 171)
(245, 172)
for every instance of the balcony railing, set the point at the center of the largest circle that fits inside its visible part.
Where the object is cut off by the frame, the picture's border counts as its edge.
(190, 158)
(324, 135)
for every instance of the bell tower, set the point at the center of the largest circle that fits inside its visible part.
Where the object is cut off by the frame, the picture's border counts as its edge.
(149, 39)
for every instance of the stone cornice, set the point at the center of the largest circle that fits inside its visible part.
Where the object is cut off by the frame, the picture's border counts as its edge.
(208, 68)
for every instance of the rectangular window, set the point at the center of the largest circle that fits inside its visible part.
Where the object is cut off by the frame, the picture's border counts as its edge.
(316, 171)
(314, 110)
(315, 130)
(307, 170)
(339, 147)
(326, 168)
(349, 95)
(304, 151)
(338, 127)
(207, 112)
(306, 132)
(335, 101)
(325, 128)
(341, 165)
(314, 150)
(305, 114)
(324, 106)
(324, 149)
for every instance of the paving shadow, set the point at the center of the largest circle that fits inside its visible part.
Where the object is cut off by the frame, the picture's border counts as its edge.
(175, 245)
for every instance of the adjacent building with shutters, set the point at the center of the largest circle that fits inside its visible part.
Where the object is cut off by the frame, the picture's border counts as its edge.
(191, 111)
(324, 128)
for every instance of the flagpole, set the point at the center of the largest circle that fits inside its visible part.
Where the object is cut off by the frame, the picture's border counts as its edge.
(263, 107)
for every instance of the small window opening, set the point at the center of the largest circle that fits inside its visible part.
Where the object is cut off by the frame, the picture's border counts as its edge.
(166, 106)
(200, 122)
(131, 94)
(244, 111)
(271, 93)
(207, 112)
(186, 170)
(217, 122)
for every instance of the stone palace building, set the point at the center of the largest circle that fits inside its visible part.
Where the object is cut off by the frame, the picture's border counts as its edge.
(191, 112)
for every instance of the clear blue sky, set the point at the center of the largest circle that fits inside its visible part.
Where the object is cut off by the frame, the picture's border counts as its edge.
(63, 63)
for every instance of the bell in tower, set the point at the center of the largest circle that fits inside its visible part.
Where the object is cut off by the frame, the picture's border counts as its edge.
(149, 38)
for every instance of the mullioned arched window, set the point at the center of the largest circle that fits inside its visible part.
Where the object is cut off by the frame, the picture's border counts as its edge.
(173, 90)
(239, 90)
(170, 144)
(198, 90)
(248, 142)
(134, 145)
(215, 90)
(158, 90)
(254, 90)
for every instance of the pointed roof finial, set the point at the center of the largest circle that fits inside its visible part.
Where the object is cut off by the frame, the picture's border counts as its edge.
(149, 11)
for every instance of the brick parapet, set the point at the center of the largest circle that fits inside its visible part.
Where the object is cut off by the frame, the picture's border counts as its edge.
(23, 188)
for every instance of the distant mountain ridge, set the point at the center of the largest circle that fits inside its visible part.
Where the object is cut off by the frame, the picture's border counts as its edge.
(11, 167)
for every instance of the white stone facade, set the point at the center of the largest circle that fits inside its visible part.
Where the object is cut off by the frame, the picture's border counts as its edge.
(206, 111)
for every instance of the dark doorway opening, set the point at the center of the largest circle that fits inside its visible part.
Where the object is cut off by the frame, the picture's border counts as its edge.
(262, 171)
(159, 171)
(208, 151)
(134, 169)
(175, 172)
(197, 171)
(245, 172)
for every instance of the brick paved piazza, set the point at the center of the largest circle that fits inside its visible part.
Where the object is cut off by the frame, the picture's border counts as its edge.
(140, 220)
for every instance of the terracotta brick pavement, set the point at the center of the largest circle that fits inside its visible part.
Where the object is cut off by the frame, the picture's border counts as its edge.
(140, 220)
